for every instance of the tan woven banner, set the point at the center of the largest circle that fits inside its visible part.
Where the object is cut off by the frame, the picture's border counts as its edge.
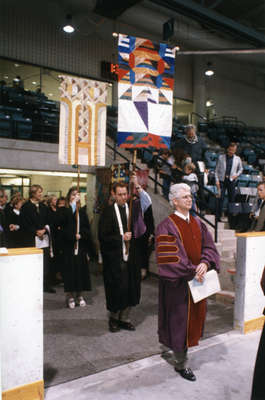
(82, 121)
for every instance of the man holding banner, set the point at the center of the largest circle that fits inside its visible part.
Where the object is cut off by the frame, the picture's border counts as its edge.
(185, 250)
(121, 260)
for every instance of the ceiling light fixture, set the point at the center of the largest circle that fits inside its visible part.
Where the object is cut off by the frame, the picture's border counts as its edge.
(68, 27)
(34, 83)
(115, 34)
(209, 71)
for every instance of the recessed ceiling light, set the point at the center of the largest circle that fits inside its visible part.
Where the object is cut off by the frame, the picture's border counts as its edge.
(68, 27)
(50, 94)
(16, 65)
(209, 71)
(34, 83)
(115, 34)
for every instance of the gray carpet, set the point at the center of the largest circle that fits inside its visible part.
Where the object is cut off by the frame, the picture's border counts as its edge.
(77, 342)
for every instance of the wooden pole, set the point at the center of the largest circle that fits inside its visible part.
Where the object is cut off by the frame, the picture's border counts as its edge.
(77, 205)
(131, 200)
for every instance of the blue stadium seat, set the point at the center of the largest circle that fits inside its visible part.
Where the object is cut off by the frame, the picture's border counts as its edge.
(23, 127)
(210, 158)
(5, 125)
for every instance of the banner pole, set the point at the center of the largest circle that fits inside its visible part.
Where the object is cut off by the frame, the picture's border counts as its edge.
(77, 209)
(131, 187)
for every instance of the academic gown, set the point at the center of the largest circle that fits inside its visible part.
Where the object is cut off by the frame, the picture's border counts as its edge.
(76, 267)
(14, 238)
(122, 282)
(180, 247)
(33, 219)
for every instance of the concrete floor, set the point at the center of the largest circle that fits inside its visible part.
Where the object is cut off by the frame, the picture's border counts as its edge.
(77, 342)
(223, 365)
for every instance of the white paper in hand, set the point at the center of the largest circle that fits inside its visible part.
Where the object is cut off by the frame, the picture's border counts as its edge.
(208, 287)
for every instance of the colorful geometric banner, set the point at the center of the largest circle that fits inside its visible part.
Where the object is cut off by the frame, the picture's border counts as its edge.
(145, 93)
(82, 121)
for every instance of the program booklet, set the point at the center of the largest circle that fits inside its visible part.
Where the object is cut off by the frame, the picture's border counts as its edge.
(208, 287)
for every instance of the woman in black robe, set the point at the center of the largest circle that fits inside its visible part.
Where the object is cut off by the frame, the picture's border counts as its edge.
(78, 248)
(14, 234)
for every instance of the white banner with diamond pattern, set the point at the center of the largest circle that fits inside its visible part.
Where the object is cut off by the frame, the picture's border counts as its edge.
(82, 136)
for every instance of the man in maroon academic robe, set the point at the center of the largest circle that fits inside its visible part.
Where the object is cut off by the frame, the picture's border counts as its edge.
(184, 250)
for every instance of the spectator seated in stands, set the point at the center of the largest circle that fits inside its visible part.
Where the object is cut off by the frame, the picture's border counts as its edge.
(181, 159)
(165, 172)
(191, 179)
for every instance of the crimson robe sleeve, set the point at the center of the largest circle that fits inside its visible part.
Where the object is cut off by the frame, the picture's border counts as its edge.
(172, 259)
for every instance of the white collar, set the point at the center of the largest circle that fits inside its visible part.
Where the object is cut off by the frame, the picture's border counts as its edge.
(180, 215)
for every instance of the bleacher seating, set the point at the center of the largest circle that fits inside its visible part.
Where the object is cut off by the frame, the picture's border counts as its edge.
(28, 115)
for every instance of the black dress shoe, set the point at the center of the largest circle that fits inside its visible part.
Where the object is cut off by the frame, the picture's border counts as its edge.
(114, 325)
(128, 326)
(186, 373)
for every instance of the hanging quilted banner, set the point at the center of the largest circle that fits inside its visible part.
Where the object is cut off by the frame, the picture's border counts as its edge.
(145, 93)
(82, 136)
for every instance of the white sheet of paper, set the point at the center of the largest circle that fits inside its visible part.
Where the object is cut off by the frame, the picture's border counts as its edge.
(42, 243)
(208, 287)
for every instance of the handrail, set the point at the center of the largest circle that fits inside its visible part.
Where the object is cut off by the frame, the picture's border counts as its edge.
(157, 183)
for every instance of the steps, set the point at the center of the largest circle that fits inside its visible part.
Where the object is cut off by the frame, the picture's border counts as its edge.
(226, 247)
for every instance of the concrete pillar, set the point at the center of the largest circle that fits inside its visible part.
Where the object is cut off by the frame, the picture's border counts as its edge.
(21, 324)
(249, 298)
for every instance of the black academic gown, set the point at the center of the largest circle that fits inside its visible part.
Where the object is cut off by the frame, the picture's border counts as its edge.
(2, 229)
(76, 273)
(122, 282)
(14, 238)
(32, 220)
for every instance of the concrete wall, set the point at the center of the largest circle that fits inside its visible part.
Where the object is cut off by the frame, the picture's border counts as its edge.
(34, 41)
(237, 89)
(19, 154)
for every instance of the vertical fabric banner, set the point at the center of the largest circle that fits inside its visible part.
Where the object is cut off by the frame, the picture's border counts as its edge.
(82, 121)
(145, 93)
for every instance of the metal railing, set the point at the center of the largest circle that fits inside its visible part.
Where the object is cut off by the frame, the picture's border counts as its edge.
(158, 184)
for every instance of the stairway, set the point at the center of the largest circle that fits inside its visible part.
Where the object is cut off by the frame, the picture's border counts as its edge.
(226, 247)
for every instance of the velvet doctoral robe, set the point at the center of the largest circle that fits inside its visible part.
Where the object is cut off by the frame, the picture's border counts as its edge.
(180, 247)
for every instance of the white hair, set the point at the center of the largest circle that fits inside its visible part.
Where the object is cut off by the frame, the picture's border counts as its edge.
(175, 190)
(190, 126)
